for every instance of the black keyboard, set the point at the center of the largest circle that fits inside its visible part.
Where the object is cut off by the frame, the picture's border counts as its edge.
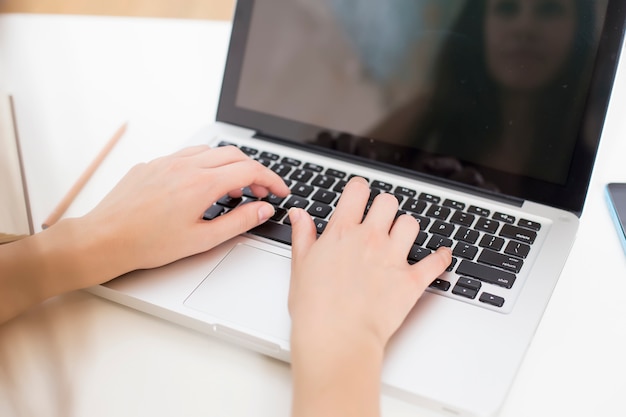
(489, 248)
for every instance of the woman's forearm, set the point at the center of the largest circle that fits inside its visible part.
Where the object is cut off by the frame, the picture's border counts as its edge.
(47, 264)
(337, 379)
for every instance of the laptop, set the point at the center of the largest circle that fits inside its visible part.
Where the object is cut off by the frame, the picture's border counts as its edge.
(482, 118)
(15, 216)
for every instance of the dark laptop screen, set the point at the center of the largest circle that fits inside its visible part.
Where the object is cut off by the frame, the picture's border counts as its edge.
(495, 94)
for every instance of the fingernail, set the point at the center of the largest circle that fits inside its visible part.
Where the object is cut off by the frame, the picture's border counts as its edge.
(265, 212)
(294, 214)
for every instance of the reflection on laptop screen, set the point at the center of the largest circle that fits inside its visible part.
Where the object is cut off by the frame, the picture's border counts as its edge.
(499, 84)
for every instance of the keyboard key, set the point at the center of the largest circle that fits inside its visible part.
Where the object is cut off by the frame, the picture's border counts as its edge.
(421, 238)
(464, 292)
(518, 233)
(415, 206)
(228, 201)
(517, 249)
(467, 235)
(469, 283)
(274, 199)
(335, 173)
(453, 204)
(418, 253)
(275, 231)
(462, 218)
(373, 193)
(438, 212)
(510, 263)
(487, 225)
(313, 167)
(249, 151)
(385, 186)
(442, 228)
(225, 143)
(399, 197)
(265, 162)
(437, 241)
(323, 181)
(465, 250)
(486, 273)
(407, 192)
(440, 284)
(504, 217)
(281, 169)
(279, 213)
(529, 224)
(301, 175)
(423, 221)
(494, 300)
(478, 210)
(296, 201)
(360, 176)
(339, 186)
(452, 264)
(324, 196)
(319, 210)
(320, 225)
(303, 190)
(213, 211)
(291, 161)
(269, 155)
(430, 198)
(491, 242)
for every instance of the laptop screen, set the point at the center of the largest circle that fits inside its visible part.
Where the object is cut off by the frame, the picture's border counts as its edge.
(507, 96)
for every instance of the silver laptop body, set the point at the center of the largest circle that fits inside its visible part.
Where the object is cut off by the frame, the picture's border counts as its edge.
(459, 350)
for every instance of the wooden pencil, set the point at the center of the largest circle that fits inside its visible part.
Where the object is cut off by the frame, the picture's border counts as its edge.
(82, 180)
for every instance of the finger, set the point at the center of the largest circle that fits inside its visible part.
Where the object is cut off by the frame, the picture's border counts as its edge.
(263, 192)
(237, 221)
(429, 268)
(382, 213)
(352, 202)
(216, 157)
(237, 175)
(404, 231)
(182, 153)
(191, 150)
(303, 233)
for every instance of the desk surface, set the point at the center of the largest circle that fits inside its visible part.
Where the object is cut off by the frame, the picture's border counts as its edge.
(75, 80)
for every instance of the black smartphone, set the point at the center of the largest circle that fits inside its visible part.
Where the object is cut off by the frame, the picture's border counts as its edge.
(616, 193)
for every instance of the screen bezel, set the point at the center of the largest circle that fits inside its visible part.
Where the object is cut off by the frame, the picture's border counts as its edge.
(569, 196)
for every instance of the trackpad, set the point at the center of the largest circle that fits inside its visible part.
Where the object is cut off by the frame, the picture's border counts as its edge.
(248, 291)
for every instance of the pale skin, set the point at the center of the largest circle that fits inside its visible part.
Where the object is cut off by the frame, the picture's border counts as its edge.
(351, 289)
(352, 284)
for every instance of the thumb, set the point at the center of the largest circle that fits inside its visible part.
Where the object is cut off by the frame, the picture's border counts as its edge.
(303, 232)
(238, 221)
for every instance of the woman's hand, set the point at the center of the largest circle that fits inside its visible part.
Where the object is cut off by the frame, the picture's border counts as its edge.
(350, 291)
(154, 215)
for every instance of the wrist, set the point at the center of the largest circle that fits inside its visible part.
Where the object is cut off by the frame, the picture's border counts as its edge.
(79, 255)
(336, 376)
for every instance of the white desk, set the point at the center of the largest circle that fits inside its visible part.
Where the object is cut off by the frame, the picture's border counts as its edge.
(75, 80)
